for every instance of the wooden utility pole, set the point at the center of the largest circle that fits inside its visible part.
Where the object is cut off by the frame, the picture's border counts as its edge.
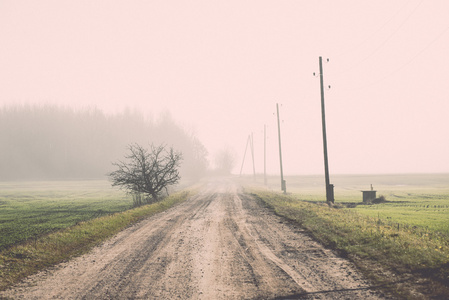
(244, 155)
(329, 187)
(283, 183)
(252, 154)
(250, 142)
(264, 154)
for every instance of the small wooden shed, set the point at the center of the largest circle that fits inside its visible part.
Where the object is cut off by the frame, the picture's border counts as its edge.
(369, 196)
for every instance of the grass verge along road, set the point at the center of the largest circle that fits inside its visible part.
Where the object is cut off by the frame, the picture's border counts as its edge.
(24, 259)
(409, 261)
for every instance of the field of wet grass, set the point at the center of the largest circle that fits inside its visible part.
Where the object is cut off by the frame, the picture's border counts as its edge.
(60, 220)
(32, 209)
(420, 200)
(404, 239)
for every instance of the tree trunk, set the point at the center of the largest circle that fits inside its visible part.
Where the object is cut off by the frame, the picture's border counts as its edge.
(154, 197)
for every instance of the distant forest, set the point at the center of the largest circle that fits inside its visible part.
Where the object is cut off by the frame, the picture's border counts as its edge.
(52, 142)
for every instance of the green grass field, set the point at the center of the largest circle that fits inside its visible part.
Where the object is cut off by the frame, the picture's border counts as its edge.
(407, 236)
(31, 209)
(23, 259)
(413, 199)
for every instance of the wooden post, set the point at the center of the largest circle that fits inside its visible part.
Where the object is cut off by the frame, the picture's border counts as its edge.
(265, 154)
(283, 184)
(329, 187)
(252, 155)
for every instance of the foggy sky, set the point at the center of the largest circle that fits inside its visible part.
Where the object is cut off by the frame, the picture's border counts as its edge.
(220, 67)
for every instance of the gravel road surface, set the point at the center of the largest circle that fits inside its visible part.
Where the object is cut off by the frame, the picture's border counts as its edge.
(219, 244)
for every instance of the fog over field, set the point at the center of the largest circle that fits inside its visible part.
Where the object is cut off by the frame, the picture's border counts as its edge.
(214, 70)
(50, 142)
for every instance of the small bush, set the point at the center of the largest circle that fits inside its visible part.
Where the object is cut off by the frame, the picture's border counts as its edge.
(381, 199)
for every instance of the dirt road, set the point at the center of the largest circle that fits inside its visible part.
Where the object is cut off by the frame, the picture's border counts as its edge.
(220, 244)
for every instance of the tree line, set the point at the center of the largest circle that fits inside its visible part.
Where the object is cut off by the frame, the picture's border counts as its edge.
(54, 142)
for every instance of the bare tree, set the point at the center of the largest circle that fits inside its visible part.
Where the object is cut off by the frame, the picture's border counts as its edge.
(147, 172)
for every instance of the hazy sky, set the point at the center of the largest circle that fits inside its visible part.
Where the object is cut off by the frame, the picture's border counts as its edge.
(220, 67)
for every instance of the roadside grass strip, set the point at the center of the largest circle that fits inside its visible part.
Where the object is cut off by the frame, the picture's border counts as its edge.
(369, 241)
(20, 261)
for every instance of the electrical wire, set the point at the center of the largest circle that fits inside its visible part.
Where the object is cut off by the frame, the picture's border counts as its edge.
(419, 53)
(370, 36)
(389, 37)
(413, 58)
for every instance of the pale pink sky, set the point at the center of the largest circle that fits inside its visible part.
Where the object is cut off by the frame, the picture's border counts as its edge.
(220, 67)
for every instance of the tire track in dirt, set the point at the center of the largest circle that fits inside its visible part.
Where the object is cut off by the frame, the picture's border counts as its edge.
(318, 271)
(219, 244)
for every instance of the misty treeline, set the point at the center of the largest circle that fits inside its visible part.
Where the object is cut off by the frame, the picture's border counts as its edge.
(53, 142)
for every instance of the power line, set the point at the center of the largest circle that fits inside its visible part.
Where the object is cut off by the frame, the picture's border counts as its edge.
(419, 53)
(384, 41)
(370, 36)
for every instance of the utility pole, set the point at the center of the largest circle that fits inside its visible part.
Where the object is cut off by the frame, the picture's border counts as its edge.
(250, 142)
(283, 183)
(329, 187)
(244, 155)
(264, 154)
(252, 154)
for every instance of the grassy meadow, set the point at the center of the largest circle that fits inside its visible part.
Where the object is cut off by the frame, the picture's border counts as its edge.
(405, 239)
(32, 209)
(50, 222)
(412, 199)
